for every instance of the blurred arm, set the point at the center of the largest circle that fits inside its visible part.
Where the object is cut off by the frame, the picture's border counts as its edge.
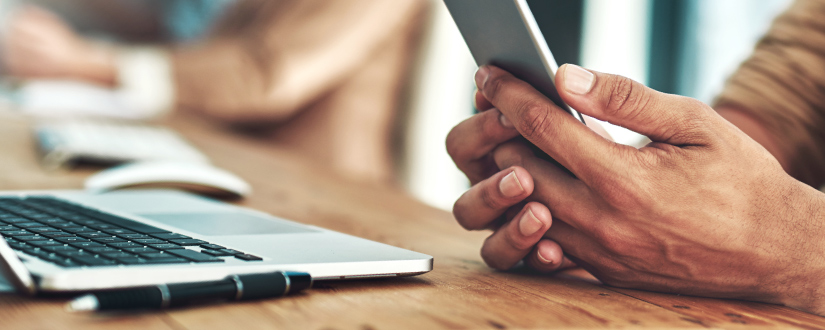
(777, 96)
(268, 59)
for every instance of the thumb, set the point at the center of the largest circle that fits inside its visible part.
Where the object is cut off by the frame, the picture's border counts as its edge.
(624, 102)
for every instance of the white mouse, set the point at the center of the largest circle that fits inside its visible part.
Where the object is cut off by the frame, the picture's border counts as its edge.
(197, 177)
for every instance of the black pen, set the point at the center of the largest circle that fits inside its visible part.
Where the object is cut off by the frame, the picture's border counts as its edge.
(234, 287)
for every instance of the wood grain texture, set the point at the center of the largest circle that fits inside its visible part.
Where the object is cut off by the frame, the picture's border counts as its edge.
(461, 292)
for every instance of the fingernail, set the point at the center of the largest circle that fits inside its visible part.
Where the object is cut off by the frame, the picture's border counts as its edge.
(509, 186)
(529, 224)
(505, 122)
(542, 258)
(577, 80)
(481, 76)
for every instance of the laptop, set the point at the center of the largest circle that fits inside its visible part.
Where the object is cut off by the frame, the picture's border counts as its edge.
(70, 241)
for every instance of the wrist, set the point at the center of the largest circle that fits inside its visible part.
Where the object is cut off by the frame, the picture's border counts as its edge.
(801, 282)
(95, 63)
(757, 131)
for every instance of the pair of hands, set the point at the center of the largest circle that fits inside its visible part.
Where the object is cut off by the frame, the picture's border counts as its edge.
(702, 210)
(38, 44)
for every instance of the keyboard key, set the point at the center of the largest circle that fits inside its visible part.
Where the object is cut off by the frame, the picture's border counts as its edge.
(156, 255)
(16, 233)
(171, 236)
(124, 245)
(194, 256)
(248, 257)
(74, 253)
(130, 260)
(108, 240)
(45, 243)
(15, 220)
(51, 221)
(149, 241)
(69, 240)
(67, 263)
(58, 234)
(86, 245)
(65, 225)
(118, 255)
(59, 248)
(103, 226)
(102, 250)
(19, 245)
(80, 230)
(88, 221)
(119, 231)
(216, 253)
(212, 246)
(188, 242)
(8, 228)
(166, 246)
(167, 261)
(94, 261)
(141, 250)
(128, 224)
(27, 225)
(43, 229)
(96, 234)
(134, 236)
(232, 252)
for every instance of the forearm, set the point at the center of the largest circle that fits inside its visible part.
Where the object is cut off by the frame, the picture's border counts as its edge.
(779, 88)
(295, 53)
(97, 66)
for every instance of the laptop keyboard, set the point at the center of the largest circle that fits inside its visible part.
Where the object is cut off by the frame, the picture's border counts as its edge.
(71, 235)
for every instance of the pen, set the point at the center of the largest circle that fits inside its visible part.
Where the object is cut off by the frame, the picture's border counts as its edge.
(234, 287)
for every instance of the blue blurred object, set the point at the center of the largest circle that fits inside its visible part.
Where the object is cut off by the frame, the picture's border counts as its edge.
(188, 20)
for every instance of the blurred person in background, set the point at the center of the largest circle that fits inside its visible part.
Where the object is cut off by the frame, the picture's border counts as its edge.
(325, 76)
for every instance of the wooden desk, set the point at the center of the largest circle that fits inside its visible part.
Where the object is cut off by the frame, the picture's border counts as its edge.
(460, 293)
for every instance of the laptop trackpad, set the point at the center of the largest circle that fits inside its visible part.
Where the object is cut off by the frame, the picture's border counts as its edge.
(227, 223)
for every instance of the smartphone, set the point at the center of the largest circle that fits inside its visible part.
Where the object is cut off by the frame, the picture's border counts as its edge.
(504, 33)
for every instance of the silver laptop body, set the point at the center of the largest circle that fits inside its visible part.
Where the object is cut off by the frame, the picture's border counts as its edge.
(283, 244)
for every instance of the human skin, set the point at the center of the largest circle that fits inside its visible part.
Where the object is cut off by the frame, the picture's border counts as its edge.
(39, 44)
(702, 210)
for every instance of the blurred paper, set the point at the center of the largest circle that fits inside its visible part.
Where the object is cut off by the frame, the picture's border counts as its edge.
(57, 98)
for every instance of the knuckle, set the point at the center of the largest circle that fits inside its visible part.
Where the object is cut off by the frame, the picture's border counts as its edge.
(490, 199)
(515, 240)
(537, 120)
(494, 85)
(625, 97)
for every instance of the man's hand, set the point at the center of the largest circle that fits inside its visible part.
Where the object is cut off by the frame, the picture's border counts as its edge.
(701, 210)
(38, 44)
(496, 192)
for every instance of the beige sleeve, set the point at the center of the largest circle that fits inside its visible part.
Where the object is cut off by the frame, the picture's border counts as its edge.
(782, 85)
(268, 59)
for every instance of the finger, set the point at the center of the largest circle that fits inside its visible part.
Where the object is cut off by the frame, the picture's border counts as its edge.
(566, 196)
(512, 242)
(597, 127)
(553, 130)
(480, 102)
(470, 142)
(621, 101)
(490, 198)
(574, 243)
(547, 256)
